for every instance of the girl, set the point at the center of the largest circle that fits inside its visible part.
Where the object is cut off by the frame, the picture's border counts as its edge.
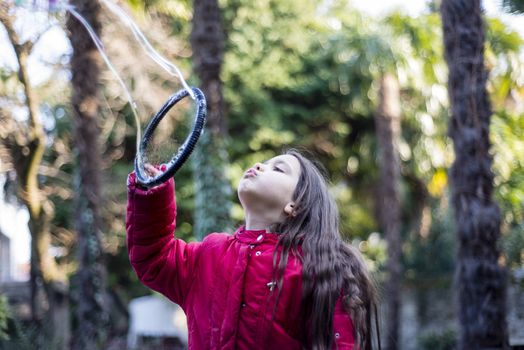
(284, 280)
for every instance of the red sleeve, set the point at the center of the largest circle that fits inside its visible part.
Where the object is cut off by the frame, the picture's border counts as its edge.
(161, 262)
(343, 328)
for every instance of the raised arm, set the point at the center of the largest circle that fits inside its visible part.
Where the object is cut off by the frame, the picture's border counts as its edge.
(161, 262)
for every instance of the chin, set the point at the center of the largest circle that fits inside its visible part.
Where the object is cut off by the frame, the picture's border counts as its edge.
(241, 188)
(249, 197)
(244, 193)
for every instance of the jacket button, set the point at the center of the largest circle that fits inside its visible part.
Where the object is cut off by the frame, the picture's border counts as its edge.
(258, 253)
(337, 335)
(259, 238)
(243, 305)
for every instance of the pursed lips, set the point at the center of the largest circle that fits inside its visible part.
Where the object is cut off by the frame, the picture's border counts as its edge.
(250, 173)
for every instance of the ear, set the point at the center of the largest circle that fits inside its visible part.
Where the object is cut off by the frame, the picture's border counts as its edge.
(289, 209)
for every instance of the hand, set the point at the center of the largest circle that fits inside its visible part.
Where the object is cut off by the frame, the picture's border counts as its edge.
(151, 170)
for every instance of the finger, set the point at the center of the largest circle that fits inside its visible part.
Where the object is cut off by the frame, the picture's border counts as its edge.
(151, 169)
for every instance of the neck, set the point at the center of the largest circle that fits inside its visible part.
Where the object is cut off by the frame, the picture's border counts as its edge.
(255, 226)
(255, 222)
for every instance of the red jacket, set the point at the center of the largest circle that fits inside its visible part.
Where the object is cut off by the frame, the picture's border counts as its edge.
(223, 284)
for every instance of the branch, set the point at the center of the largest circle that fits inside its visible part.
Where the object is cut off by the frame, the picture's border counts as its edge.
(22, 51)
(36, 141)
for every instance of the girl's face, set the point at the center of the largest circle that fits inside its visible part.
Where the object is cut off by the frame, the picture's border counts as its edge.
(269, 186)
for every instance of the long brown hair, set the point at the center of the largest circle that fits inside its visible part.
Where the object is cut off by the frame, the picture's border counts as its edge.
(331, 268)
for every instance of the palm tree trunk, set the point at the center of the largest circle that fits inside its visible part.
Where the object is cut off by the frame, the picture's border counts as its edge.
(387, 122)
(89, 281)
(210, 158)
(480, 280)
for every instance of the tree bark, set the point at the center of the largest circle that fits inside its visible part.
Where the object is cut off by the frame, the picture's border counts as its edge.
(207, 41)
(49, 297)
(210, 158)
(90, 279)
(387, 121)
(480, 280)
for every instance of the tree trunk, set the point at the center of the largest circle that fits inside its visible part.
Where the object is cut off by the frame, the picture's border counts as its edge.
(387, 121)
(89, 281)
(480, 280)
(49, 297)
(213, 191)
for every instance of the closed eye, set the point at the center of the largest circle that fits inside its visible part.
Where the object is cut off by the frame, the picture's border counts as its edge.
(276, 168)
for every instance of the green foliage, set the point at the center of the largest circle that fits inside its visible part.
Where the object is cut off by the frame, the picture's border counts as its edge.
(444, 340)
(4, 314)
(513, 244)
(506, 88)
(26, 336)
(516, 6)
(374, 250)
(13, 335)
(429, 261)
(508, 147)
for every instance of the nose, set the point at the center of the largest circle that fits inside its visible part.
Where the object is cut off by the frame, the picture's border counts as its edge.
(259, 166)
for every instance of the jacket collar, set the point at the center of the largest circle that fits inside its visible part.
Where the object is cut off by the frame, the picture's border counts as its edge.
(255, 236)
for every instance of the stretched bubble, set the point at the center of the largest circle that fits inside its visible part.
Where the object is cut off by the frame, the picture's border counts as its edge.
(161, 61)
